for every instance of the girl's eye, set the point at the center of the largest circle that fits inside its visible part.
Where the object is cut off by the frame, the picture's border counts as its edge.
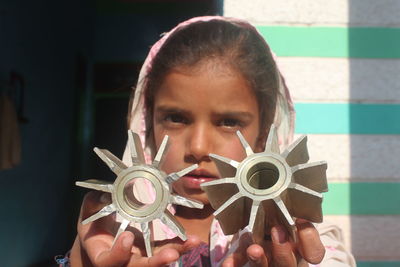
(231, 123)
(175, 118)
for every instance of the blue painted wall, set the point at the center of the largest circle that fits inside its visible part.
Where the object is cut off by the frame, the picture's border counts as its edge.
(40, 40)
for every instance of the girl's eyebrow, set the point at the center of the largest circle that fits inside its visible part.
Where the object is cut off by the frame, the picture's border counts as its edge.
(236, 114)
(232, 114)
(167, 109)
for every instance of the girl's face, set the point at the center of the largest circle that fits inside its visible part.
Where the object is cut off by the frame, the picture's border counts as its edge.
(200, 109)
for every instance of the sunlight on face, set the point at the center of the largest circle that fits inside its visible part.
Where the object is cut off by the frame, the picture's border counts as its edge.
(201, 108)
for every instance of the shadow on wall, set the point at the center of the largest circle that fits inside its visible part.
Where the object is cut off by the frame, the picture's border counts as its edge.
(42, 42)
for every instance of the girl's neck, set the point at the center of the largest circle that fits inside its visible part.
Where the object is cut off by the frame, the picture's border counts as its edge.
(195, 221)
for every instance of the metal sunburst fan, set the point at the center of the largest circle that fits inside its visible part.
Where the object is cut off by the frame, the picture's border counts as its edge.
(124, 201)
(267, 188)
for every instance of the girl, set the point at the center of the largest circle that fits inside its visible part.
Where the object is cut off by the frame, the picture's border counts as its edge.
(203, 81)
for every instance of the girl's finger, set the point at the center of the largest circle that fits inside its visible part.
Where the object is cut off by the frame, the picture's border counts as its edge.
(239, 257)
(234, 260)
(282, 252)
(119, 254)
(256, 256)
(92, 203)
(95, 237)
(177, 244)
(164, 257)
(310, 245)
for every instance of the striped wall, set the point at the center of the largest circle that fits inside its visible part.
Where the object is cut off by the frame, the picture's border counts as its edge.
(341, 60)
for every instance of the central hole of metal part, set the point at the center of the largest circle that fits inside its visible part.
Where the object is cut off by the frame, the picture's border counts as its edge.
(263, 175)
(131, 197)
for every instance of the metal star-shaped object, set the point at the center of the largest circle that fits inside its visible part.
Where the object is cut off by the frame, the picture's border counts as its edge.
(124, 201)
(267, 188)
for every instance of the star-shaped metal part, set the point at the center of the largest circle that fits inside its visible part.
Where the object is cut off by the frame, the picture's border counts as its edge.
(267, 188)
(124, 201)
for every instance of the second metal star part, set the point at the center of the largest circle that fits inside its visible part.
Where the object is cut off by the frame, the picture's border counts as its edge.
(267, 188)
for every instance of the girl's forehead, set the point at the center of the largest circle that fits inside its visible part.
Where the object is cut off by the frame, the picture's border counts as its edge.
(215, 86)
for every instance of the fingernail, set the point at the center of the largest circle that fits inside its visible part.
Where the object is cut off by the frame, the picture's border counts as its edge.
(278, 235)
(127, 242)
(254, 259)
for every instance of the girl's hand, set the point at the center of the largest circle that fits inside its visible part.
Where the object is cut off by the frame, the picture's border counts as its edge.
(93, 245)
(280, 252)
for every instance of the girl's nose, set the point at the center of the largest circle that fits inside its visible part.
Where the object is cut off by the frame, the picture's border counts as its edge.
(200, 143)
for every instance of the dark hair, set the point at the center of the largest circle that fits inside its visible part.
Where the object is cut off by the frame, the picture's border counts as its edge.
(238, 46)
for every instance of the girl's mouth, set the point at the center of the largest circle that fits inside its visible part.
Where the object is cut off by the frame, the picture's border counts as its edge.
(194, 179)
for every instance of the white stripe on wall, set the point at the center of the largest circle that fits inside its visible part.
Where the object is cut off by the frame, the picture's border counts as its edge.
(361, 157)
(372, 237)
(338, 12)
(342, 79)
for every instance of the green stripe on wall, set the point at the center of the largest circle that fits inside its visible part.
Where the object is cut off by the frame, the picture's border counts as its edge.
(362, 199)
(333, 41)
(378, 263)
(348, 118)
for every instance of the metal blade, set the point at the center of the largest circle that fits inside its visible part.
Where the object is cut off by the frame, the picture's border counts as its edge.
(305, 190)
(245, 145)
(282, 207)
(257, 221)
(232, 214)
(121, 229)
(286, 218)
(219, 191)
(182, 201)
(221, 181)
(147, 238)
(157, 162)
(253, 214)
(114, 163)
(168, 219)
(135, 146)
(227, 203)
(226, 167)
(272, 143)
(99, 185)
(305, 203)
(107, 210)
(297, 152)
(172, 177)
(311, 175)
